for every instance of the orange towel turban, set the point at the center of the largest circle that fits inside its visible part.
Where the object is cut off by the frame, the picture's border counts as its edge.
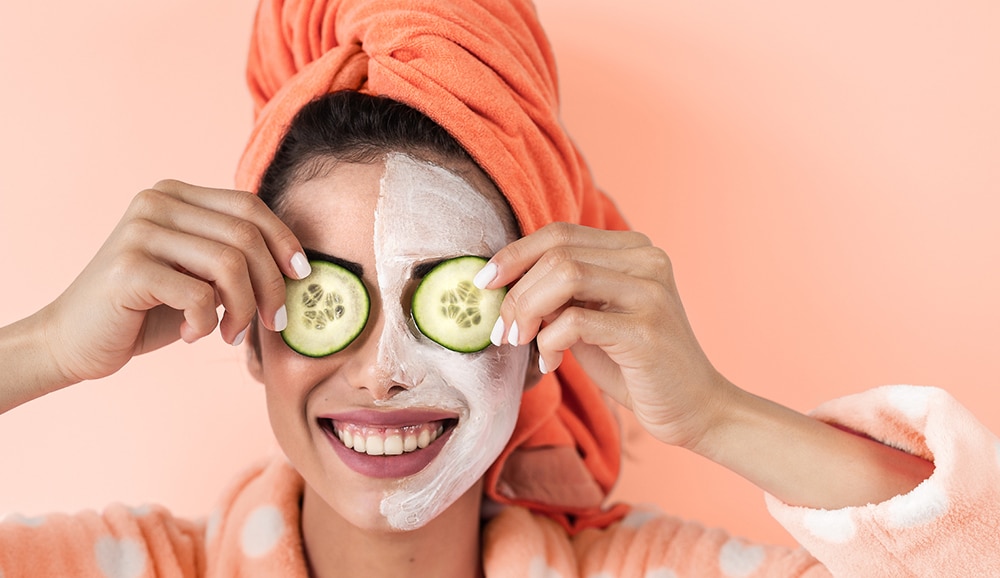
(485, 72)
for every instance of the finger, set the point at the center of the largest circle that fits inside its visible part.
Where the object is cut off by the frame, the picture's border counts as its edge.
(516, 258)
(265, 276)
(577, 328)
(154, 283)
(278, 238)
(162, 327)
(223, 266)
(646, 262)
(573, 283)
(642, 261)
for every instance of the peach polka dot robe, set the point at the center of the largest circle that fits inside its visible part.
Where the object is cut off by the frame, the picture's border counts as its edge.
(946, 526)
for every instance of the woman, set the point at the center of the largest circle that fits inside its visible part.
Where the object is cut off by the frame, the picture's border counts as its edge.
(374, 204)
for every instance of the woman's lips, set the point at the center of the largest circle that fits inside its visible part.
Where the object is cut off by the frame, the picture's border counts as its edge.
(389, 441)
(388, 445)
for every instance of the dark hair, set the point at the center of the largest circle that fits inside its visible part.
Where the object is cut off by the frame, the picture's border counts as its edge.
(349, 126)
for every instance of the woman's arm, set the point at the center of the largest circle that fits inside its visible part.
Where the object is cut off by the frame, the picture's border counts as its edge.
(610, 298)
(179, 252)
(805, 462)
(29, 367)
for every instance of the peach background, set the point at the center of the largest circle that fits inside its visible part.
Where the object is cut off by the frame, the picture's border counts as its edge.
(824, 178)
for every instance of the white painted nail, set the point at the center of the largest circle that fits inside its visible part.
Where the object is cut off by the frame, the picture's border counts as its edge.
(485, 275)
(541, 365)
(497, 334)
(512, 334)
(301, 265)
(239, 337)
(281, 319)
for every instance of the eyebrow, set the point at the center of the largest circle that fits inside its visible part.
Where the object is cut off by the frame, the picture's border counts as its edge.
(356, 268)
(420, 271)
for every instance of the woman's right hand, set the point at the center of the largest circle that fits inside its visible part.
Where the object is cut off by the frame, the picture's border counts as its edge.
(178, 253)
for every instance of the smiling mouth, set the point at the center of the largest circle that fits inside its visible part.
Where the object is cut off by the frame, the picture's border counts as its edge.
(387, 440)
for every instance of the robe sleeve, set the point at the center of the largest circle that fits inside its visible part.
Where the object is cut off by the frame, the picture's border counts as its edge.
(119, 542)
(949, 525)
(645, 544)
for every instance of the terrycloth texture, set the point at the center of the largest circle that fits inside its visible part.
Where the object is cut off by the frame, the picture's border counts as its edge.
(946, 527)
(484, 71)
(119, 542)
(950, 522)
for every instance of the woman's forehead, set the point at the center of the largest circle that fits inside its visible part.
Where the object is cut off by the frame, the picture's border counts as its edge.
(425, 206)
(402, 204)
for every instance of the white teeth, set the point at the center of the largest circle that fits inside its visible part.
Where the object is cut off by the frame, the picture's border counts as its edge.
(387, 441)
(373, 446)
(393, 445)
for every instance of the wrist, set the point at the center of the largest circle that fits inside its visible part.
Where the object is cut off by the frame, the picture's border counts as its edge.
(720, 413)
(31, 368)
(49, 342)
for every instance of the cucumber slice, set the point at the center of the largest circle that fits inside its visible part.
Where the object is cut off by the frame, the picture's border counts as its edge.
(452, 311)
(326, 311)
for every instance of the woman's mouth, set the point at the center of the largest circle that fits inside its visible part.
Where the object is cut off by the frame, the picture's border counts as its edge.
(393, 445)
(387, 440)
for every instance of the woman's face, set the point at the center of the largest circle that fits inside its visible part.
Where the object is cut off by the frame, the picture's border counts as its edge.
(389, 218)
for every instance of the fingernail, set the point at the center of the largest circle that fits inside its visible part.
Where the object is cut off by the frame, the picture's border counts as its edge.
(301, 265)
(281, 319)
(541, 365)
(485, 275)
(512, 334)
(497, 334)
(239, 337)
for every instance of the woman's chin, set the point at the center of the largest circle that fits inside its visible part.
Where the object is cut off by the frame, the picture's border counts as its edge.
(359, 510)
(371, 520)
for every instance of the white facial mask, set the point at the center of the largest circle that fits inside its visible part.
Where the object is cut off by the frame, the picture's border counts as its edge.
(426, 213)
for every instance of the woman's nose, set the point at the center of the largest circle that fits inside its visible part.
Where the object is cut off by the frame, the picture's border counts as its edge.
(380, 361)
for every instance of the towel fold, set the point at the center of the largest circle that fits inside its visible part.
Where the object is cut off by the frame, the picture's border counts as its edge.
(486, 73)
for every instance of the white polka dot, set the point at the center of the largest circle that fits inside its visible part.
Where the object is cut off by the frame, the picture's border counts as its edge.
(639, 516)
(834, 526)
(140, 511)
(737, 559)
(661, 573)
(926, 503)
(911, 401)
(123, 558)
(31, 522)
(538, 568)
(261, 531)
(212, 526)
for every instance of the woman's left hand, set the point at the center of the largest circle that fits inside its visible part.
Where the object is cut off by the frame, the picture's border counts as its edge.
(609, 297)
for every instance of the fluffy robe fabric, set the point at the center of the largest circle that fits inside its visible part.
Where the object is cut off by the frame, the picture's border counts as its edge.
(483, 70)
(946, 527)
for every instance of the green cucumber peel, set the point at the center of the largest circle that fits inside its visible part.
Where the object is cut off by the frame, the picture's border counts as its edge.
(451, 311)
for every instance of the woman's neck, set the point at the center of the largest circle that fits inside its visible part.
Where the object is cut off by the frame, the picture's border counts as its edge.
(447, 546)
